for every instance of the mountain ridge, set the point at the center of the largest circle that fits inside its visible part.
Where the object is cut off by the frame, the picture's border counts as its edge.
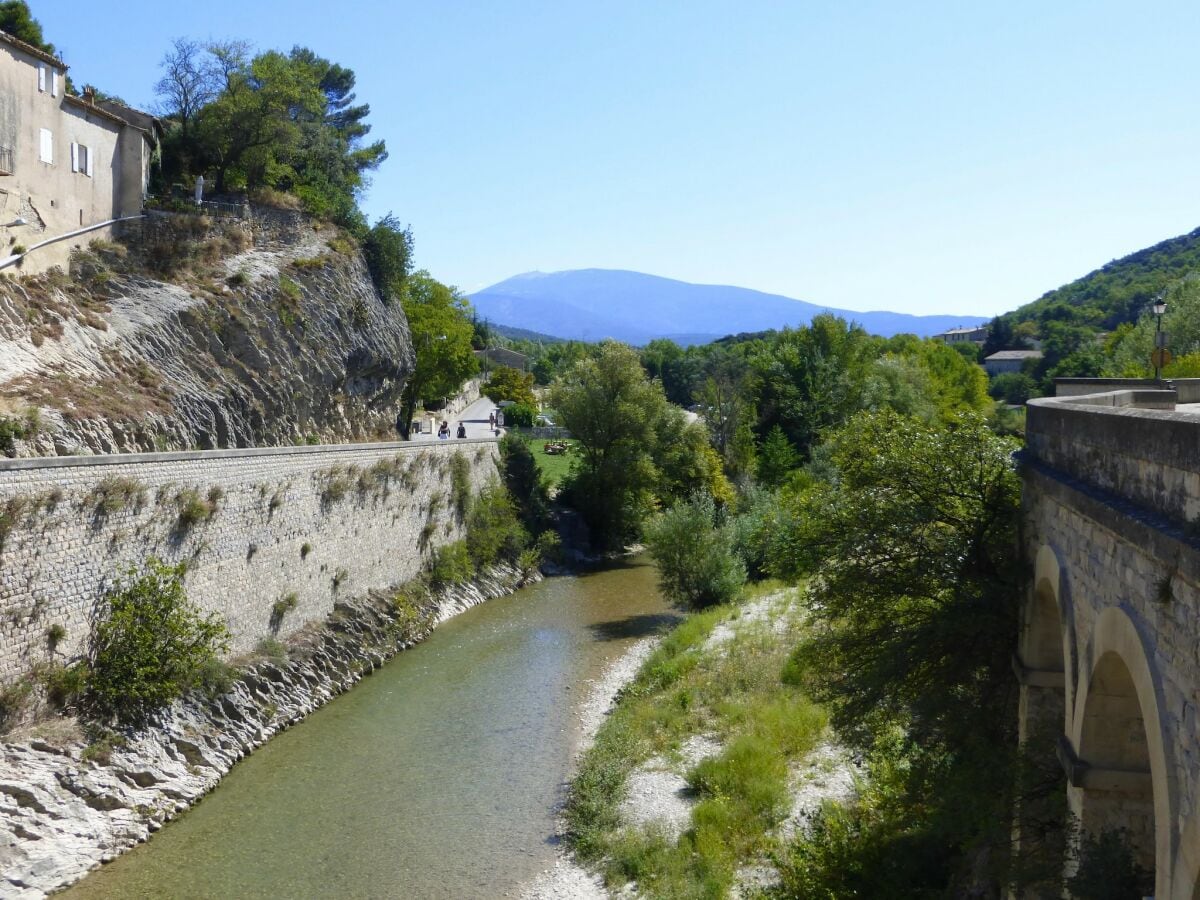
(637, 307)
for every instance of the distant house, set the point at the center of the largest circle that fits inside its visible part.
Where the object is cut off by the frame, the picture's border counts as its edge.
(67, 163)
(975, 335)
(499, 356)
(1009, 360)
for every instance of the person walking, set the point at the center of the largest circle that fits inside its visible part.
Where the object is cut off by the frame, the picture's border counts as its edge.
(462, 430)
(444, 430)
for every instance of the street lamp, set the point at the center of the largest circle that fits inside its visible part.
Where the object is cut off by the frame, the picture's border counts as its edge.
(1160, 339)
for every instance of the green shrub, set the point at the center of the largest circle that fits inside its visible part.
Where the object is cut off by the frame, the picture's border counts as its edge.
(520, 415)
(460, 483)
(12, 511)
(150, 647)
(524, 482)
(493, 530)
(696, 563)
(271, 649)
(194, 509)
(11, 430)
(1108, 869)
(54, 635)
(289, 288)
(451, 565)
(115, 493)
(65, 685)
(13, 698)
(281, 608)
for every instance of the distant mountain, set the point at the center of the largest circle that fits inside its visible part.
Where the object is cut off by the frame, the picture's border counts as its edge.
(1119, 291)
(592, 304)
(524, 334)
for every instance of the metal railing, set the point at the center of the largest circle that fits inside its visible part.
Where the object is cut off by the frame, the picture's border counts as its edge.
(6, 161)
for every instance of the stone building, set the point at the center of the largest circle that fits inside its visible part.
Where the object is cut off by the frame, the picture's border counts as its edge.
(69, 164)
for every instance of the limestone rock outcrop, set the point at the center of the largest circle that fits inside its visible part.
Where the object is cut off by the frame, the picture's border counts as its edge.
(198, 334)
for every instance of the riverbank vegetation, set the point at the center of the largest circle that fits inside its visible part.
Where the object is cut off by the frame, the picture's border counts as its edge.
(725, 688)
(876, 474)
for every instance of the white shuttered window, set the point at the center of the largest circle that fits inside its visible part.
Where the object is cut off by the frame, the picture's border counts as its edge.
(41, 76)
(46, 145)
(81, 159)
(54, 82)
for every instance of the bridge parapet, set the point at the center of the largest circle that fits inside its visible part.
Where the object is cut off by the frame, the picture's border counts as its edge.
(1136, 443)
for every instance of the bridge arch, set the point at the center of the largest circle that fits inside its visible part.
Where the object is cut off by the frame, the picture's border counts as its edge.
(1120, 772)
(1046, 650)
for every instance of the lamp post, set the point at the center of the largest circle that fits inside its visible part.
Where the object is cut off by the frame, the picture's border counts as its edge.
(1160, 307)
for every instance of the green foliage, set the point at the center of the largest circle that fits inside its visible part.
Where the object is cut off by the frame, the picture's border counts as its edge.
(524, 483)
(520, 415)
(150, 646)
(687, 687)
(776, 459)
(752, 769)
(1013, 387)
(55, 633)
(696, 563)
(281, 607)
(387, 248)
(612, 410)
(12, 430)
(451, 564)
(507, 383)
(1108, 869)
(280, 122)
(460, 484)
(440, 323)
(13, 699)
(494, 533)
(115, 493)
(194, 509)
(65, 685)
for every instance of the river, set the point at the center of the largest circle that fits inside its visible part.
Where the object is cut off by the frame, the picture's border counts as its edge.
(438, 776)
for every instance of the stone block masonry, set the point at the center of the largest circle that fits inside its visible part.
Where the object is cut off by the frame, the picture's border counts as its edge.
(273, 537)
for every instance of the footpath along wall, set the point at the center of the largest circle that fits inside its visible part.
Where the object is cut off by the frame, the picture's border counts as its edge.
(273, 537)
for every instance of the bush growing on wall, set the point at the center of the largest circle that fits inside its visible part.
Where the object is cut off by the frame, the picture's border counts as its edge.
(150, 648)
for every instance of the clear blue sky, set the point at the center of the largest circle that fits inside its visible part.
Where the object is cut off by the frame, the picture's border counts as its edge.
(956, 157)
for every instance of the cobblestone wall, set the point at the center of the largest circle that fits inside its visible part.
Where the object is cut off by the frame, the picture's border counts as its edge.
(301, 525)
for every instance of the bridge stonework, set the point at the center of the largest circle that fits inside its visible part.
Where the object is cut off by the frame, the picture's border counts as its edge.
(1109, 650)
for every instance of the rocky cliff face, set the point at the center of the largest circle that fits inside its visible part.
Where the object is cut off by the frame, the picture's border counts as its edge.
(192, 333)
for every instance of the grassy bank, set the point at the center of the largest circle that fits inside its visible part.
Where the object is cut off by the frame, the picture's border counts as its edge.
(554, 467)
(720, 674)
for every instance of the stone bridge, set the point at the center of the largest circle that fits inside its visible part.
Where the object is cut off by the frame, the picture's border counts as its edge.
(1109, 651)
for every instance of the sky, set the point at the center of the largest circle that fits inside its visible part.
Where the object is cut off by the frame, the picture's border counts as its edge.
(923, 157)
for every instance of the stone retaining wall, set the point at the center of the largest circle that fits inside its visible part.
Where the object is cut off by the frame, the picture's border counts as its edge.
(273, 537)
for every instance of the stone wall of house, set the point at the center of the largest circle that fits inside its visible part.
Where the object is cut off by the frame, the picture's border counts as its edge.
(272, 536)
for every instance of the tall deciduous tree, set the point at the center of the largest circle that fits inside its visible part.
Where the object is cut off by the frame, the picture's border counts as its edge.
(614, 411)
(439, 320)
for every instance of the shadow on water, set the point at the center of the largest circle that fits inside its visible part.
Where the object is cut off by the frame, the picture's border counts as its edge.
(638, 626)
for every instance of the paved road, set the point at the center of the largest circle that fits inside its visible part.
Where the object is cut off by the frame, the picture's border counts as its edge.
(475, 417)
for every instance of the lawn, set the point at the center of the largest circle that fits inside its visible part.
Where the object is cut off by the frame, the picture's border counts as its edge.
(553, 468)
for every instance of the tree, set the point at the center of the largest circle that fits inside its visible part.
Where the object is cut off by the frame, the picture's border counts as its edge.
(776, 459)
(189, 81)
(507, 383)
(613, 411)
(524, 483)
(439, 320)
(388, 249)
(810, 379)
(920, 576)
(696, 562)
(915, 597)
(17, 20)
(150, 647)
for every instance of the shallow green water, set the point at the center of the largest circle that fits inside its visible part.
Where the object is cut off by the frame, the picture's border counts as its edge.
(436, 777)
